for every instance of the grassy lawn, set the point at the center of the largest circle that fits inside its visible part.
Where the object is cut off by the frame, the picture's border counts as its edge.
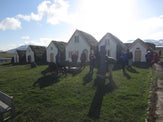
(66, 99)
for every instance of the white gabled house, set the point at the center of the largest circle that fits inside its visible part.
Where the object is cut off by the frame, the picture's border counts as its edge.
(79, 42)
(20, 57)
(53, 49)
(139, 48)
(36, 54)
(113, 45)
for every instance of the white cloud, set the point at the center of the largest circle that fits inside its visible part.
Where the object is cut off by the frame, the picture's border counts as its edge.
(157, 35)
(43, 7)
(32, 16)
(10, 24)
(42, 10)
(54, 11)
(98, 17)
(25, 37)
(151, 28)
(153, 23)
(41, 41)
(44, 41)
(57, 12)
(118, 17)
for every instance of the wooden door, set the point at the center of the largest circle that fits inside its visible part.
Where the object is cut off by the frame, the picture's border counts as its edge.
(51, 57)
(29, 59)
(138, 55)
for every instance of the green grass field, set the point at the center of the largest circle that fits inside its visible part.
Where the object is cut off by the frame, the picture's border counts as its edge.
(66, 99)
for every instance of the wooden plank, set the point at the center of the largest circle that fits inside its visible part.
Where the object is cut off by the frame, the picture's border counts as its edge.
(6, 107)
(3, 106)
(6, 98)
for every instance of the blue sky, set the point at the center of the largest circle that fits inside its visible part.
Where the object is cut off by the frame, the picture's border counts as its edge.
(40, 21)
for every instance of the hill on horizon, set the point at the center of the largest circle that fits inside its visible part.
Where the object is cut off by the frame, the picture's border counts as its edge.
(23, 47)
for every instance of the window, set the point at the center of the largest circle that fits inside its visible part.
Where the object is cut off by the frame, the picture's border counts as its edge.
(51, 48)
(107, 42)
(77, 38)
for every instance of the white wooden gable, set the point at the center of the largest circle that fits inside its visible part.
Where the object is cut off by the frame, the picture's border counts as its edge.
(16, 57)
(76, 45)
(30, 53)
(140, 46)
(111, 44)
(51, 52)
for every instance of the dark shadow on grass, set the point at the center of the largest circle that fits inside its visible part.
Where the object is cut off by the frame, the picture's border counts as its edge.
(101, 90)
(109, 87)
(142, 65)
(46, 81)
(127, 75)
(132, 70)
(87, 78)
(76, 72)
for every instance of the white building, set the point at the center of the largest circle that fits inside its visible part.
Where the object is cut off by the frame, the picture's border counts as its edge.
(78, 43)
(113, 45)
(36, 54)
(53, 49)
(139, 49)
(20, 56)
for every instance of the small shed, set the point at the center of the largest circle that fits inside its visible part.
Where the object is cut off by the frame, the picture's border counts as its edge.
(53, 49)
(20, 57)
(139, 49)
(36, 54)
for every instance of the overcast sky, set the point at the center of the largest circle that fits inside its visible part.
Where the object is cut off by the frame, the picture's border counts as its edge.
(40, 21)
